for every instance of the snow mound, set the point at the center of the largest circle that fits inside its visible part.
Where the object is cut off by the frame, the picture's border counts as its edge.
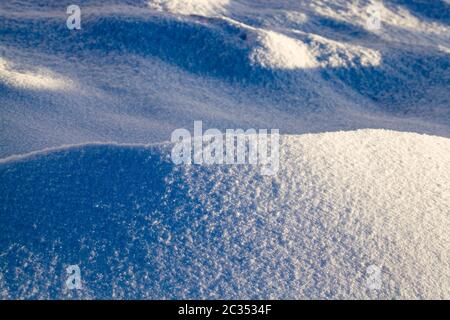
(278, 51)
(341, 205)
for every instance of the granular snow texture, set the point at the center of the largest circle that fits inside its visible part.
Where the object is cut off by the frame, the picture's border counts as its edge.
(140, 227)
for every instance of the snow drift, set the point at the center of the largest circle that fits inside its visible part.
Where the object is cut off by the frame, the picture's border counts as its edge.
(137, 70)
(140, 227)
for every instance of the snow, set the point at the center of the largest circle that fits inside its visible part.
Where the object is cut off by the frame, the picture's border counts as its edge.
(188, 7)
(85, 176)
(340, 203)
(280, 52)
(41, 80)
(133, 74)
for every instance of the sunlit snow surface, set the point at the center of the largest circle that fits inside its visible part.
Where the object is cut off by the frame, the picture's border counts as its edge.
(140, 227)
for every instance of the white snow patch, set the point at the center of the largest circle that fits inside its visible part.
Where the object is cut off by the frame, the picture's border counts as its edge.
(191, 7)
(444, 49)
(281, 52)
(342, 201)
(337, 54)
(41, 79)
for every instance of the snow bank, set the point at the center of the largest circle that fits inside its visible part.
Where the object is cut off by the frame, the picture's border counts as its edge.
(139, 227)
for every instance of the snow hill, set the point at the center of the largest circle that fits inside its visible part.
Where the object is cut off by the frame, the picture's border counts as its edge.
(137, 69)
(85, 176)
(140, 227)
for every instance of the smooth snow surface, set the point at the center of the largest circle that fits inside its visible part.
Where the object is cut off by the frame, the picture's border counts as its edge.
(140, 227)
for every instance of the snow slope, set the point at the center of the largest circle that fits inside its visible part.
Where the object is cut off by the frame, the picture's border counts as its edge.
(140, 227)
(140, 69)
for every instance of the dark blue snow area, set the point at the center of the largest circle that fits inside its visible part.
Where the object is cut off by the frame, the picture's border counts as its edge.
(84, 206)
(137, 227)
(133, 223)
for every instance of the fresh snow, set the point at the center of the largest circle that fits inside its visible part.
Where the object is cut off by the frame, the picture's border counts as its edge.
(281, 52)
(141, 69)
(188, 7)
(140, 227)
(85, 176)
(40, 80)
